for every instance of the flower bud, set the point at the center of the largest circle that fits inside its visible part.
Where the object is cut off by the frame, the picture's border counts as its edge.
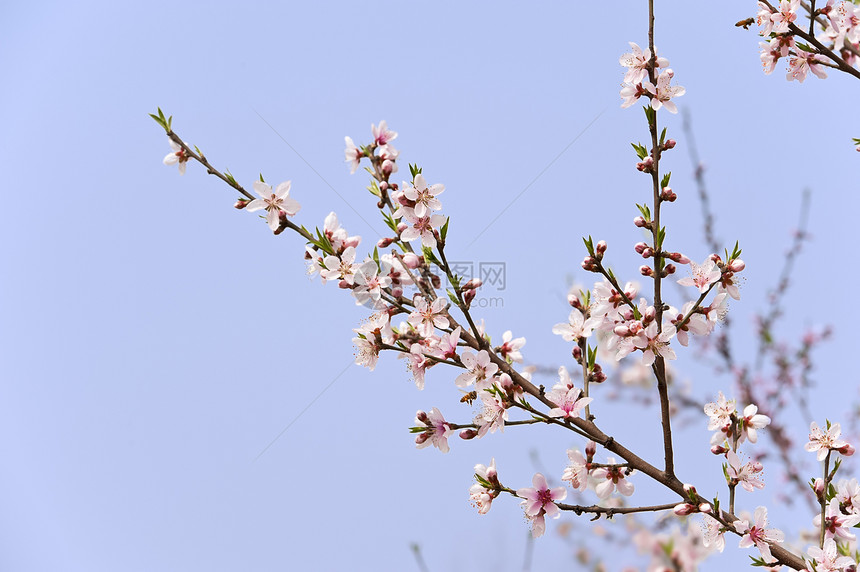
(401, 227)
(388, 167)
(573, 300)
(846, 450)
(383, 186)
(621, 331)
(469, 296)
(421, 438)
(669, 144)
(818, 487)
(601, 247)
(668, 195)
(646, 271)
(678, 257)
(352, 241)
(397, 291)
(437, 282)
(590, 264)
(411, 260)
(684, 509)
(705, 508)
(719, 450)
(640, 247)
(670, 269)
(737, 265)
(473, 284)
(467, 434)
(590, 450)
(343, 284)
(646, 166)
(384, 242)
(241, 203)
(421, 417)
(650, 313)
(640, 221)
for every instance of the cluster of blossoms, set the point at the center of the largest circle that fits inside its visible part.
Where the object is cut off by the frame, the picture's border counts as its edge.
(636, 82)
(841, 34)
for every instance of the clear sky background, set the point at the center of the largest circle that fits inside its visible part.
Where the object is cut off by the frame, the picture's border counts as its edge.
(155, 340)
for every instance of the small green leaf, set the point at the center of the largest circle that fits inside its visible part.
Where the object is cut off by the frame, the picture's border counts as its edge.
(443, 232)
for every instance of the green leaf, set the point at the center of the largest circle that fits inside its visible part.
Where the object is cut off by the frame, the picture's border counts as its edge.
(665, 182)
(453, 298)
(641, 151)
(663, 136)
(443, 232)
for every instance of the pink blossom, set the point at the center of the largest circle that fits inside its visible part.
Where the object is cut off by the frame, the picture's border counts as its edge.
(758, 534)
(611, 478)
(426, 316)
(702, 276)
(577, 471)
(751, 421)
(370, 338)
(421, 227)
(418, 364)
(510, 348)
(369, 284)
(786, 15)
(540, 500)
(637, 62)
(827, 559)
(837, 524)
(803, 62)
(631, 93)
(437, 430)
(663, 92)
(763, 18)
(177, 156)
(658, 343)
(577, 327)
(274, 202)
(824, 441)
(447, 346)
(746, 475)
(479, 368)
(423, 196)
(713, 534)
(569, 402)
(353, 154)
(382, 134)
(482, 493)
(848, 494)
(342, 268)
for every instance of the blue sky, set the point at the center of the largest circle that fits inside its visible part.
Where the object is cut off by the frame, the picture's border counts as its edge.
(156, 340)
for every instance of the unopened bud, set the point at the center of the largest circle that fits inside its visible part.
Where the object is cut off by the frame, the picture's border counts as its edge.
(344, 285)
(384, 242)
(737, 265)
(421, 417)
(467, 434)
(670, 144)
(818, 487)
(670, 269)
(705, 508)
(640, 221)
(469, 296)
(601, 247)
(397, 291)
(646, 166)
(383, 186)
(576, 353)
(640, 247)
(598, 377)
(473, 284)
(388, 167)
(437, 283)
(401, 227)
(589, 263)
(573, 300)
(241, 203)
(847, 450)
(668, 195)
(590, 450)
(716, 258)
(646, 271)
(677, 257)
(352, 241)
(684, 509)
(719, 450)
(411, 260)
(621, 331)
(421, 438)
(650, 313)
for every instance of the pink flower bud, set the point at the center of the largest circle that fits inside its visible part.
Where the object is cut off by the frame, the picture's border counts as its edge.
(383, 186)
(818, 487)
(473, 284)
(241, 203)
(646, 271)
(469, 296)
(640, 247)
(647, 165)
(388, 167)
(621, 331)
(352, 241)
(719, 450)
(421, 416)
(573, 300)
(705, 508)
(397, 291)
(716, 258)
(344, 285)
(401, 227)
(650, 313)
(737, 265)
(598, 377)
(668, 195)
(640, 221)
(384, 242)
(576, 352)
(601, 247)
(846, 450)
(411, 260)
(684, 509)
(670, 269)
(590, 450)
(467, 434)
(670, 144)
(421, 437)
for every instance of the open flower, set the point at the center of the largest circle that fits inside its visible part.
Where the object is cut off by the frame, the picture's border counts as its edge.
(702, 275)
(611, 478)
(274, 202)
(662, 94)
(437, 430)
(176, 156)
(758, 534)
(824, 441)
(827, 559)
(539, 501)
(353, 154)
